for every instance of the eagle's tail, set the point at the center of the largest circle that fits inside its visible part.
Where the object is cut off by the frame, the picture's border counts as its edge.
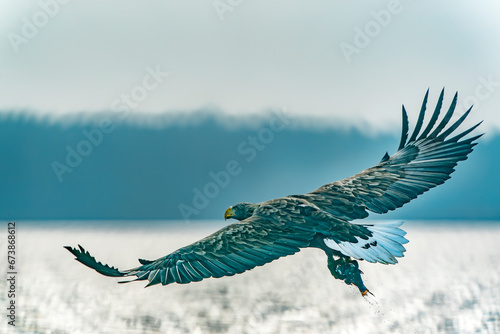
(384, 243)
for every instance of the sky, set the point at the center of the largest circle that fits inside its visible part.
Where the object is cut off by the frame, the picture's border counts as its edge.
(344, 63)
(185, 82)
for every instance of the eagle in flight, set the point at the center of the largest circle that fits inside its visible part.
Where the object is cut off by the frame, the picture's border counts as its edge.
(326, 218)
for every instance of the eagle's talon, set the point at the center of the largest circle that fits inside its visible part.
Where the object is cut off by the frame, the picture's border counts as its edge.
(366, 292)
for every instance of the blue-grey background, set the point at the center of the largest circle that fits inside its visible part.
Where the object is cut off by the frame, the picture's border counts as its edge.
(184, 84)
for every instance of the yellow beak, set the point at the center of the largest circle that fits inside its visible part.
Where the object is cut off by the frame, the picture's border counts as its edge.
(228, 213)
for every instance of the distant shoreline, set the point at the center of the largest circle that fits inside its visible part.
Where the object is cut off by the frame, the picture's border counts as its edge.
(145, 225)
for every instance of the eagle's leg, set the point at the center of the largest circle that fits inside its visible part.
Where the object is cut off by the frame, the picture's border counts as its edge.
(347, 269)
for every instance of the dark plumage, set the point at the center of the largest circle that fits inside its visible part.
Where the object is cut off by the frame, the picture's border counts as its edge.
(322, 218)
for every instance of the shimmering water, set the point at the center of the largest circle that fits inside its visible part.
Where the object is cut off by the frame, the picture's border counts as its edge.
(448, 282)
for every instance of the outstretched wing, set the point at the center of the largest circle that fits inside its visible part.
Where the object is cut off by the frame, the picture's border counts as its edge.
(422, 162)
(231, 250)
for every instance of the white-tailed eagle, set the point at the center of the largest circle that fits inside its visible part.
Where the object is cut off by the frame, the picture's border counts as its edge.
(322, 218)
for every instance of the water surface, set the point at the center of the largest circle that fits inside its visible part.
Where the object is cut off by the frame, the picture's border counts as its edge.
(448, 282)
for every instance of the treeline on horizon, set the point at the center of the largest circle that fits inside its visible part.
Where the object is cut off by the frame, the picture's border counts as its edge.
(110, 168)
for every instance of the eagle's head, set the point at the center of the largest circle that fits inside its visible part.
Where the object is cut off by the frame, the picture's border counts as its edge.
(240, 211)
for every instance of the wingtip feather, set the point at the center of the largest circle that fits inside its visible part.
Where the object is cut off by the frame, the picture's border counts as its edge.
(88, 260)
(404, 130)
(434, 116)
(421, 116)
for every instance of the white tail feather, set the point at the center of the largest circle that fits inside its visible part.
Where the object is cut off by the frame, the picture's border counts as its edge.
(384, 246)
